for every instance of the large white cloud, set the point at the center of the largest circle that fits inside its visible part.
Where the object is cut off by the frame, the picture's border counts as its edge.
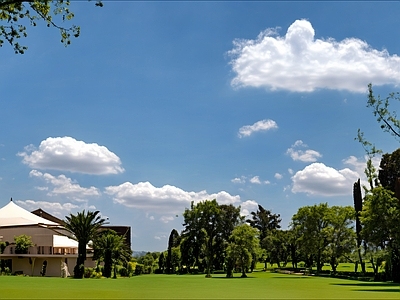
(262, 125)
(62, 185)
(299, 62)
(164, 200)
(307, 155)
(68, 154)
(319, 179)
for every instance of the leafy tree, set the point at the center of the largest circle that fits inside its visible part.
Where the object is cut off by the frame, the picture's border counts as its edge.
(380, 219)
(389, 171)
(340, 234)
(201, 223)
(229, 218)
(111, 248)
(243, 246)
(22, 243)
(85, 227)
(147, 261)
(161, 262)
(277, 245)
(175, 259)
(311, 224)
(381, 110)
(15, 14)
(266, 223)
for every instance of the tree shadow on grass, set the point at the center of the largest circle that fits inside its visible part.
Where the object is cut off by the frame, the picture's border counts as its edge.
(381, 291)
(368, 284)
(292, 277)
(233, 277)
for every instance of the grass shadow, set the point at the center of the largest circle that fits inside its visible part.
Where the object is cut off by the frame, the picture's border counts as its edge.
(381, 291)
(368, 284)
(292, 277)
(224, 277)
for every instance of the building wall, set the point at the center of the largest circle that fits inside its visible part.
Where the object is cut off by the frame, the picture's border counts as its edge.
(33, 266)
(40, 236)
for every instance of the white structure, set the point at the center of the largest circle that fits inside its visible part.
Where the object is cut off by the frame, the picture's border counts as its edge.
(53, 244)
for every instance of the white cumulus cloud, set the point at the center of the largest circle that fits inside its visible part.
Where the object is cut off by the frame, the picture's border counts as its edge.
(319, 179)
(68, 154)
(247, 207)
(63, 185)
(302, 155)
(166, 199)
(299, 62)
(262, 125)
(55, 208)
(255, 179)
(239, 180)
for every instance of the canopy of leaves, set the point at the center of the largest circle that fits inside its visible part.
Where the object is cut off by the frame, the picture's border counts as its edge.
(16, 15)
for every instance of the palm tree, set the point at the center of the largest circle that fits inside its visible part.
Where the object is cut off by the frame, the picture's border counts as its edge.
(111, 248)
(85, 226)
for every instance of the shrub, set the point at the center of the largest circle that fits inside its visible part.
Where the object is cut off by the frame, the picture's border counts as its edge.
(88, 272)
(139, 269)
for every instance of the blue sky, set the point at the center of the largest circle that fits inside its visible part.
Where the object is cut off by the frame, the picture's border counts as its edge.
(158, 104)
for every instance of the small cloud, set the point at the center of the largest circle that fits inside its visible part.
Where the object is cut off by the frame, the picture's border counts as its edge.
(300, 155)
(256, 180)
(278, 176)
(166, 219)
(240, 180)
(262, 125)
(290, 171)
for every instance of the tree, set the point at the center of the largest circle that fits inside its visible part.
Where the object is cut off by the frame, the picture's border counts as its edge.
(243, 246)
(111, 248)
(229, 218)
(265, 222)
(380, 219)
(277, 246)
(340, 233)
(201, 223)
(311, 224)
(161, 262)
(15, 14)
(389, 171)
(357, 197)
(85, 227)
(173, 242)
(380, 108)
(22, 243)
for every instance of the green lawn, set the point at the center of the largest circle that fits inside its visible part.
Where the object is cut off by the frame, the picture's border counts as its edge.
(259, 285)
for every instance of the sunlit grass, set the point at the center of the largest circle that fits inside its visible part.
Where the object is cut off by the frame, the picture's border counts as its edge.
(259, 285)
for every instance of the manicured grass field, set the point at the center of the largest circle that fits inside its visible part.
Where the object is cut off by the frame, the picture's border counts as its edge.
(258, 285)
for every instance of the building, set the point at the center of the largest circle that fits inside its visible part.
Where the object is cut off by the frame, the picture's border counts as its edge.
(54, 250)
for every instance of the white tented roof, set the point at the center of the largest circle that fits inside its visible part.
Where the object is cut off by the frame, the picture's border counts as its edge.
(64, 242)
(14, 215)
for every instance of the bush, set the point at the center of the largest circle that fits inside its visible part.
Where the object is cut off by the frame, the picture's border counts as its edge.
(88, 273)
(96, 274)
(124, 272)
(139, 269)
